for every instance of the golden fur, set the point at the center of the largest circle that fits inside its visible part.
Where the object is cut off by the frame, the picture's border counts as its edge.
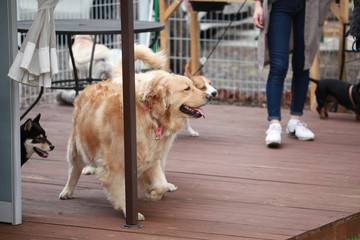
(97, 134)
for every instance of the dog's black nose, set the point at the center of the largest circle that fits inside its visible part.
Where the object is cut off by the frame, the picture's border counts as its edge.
(52, 147)
(214, 93)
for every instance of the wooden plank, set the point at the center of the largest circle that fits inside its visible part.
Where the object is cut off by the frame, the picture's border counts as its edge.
(171, 9)
(164, 34)
(194, 41)
(36, 230)
(344, 228)
(335, 9)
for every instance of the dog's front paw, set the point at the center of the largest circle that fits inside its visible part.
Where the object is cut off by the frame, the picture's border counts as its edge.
(194, 133)
(88, 170)
(155, 194)
(140, 217)
(171, 187)
(323, 114)
(65, 194)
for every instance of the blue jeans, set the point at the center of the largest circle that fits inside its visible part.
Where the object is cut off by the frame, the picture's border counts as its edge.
(285, 14)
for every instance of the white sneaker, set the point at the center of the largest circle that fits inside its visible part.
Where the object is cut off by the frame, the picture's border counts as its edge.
(273, 135)
(300, 131)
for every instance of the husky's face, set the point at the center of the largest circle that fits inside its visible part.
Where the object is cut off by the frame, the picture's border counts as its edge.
(35, 139)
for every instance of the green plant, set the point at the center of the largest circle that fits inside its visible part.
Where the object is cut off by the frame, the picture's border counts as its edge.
(355, 238)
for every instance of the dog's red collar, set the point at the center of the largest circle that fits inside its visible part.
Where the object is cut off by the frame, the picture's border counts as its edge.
(147, 104)
(148, 109)
(350, 95)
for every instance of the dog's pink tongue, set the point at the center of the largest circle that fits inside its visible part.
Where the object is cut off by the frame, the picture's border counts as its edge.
(46, 154)
(199, 110)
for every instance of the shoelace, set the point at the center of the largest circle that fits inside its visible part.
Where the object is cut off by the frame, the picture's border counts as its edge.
(301, 124)
(273, 128)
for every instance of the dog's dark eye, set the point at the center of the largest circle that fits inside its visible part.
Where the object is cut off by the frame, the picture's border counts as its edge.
(187, 89)
(203, 88)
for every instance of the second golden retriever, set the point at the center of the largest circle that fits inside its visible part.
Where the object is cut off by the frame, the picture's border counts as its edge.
(102, 62)
(201, 82)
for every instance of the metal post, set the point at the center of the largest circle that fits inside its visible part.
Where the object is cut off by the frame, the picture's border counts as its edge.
(127, 42)
(89, 79)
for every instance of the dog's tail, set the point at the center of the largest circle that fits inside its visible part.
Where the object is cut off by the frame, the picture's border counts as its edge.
(117, 71)
(144, 54)
(65, 97)
(314, 81)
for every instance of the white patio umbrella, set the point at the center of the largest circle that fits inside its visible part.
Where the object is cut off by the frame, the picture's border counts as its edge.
(36, 62)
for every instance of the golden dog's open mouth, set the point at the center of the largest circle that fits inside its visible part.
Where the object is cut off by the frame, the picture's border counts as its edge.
(192, 111)
(41, 153)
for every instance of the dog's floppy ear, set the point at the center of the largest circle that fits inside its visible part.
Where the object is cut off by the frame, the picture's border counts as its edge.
(156, 97)
(37, 119)
(187, 71)
(28, 125)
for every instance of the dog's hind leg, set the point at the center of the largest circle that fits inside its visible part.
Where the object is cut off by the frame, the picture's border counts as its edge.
(73, 178)
(321, 108)
(113, 181)
(75, 166)
(190, 130)
(324, 111)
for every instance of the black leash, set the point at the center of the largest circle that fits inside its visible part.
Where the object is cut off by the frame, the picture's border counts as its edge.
(220, 38)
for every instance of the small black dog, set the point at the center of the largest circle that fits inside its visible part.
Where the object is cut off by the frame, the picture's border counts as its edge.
(33, 139)
(344, 93)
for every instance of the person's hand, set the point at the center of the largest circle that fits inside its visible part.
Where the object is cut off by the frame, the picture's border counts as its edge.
(258, 16)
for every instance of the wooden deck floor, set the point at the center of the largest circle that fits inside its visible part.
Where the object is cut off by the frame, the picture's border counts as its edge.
(231, 186)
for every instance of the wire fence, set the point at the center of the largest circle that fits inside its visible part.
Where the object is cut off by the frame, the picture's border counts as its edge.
(232, 67)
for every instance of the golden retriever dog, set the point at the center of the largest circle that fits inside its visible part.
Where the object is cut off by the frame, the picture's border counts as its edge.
(203, 83)
(144, 54)
(103, 60)
(163, 101)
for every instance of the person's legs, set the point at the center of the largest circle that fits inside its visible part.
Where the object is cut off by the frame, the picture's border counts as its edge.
(300, 80)
(278, 41)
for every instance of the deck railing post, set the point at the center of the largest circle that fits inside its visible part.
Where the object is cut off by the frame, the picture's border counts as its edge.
(127, 40)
